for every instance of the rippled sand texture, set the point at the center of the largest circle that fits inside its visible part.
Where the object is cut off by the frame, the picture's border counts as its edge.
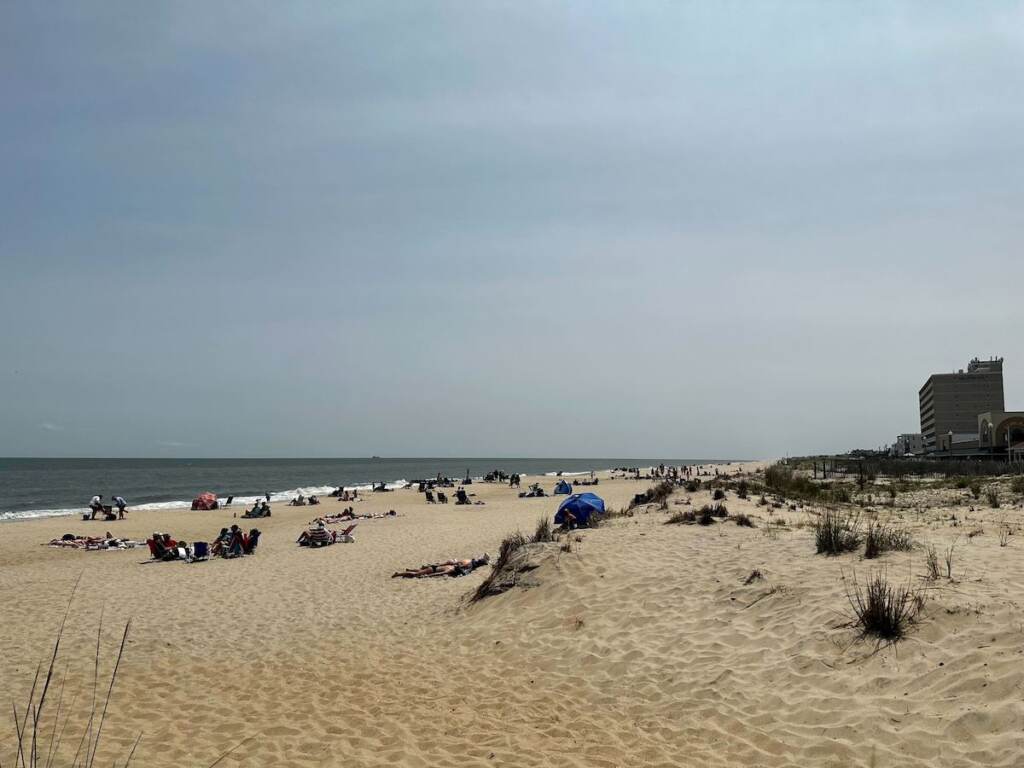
(642, 646)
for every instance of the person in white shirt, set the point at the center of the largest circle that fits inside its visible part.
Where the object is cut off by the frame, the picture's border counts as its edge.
(96, 505)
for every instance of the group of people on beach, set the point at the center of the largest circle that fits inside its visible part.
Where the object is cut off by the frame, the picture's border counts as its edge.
(96, 507)
(230, 542)
(260, 508)
(343, 494)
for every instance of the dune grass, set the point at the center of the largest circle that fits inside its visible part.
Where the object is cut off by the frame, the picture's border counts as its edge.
(879, 538)
(837, 532)
(500, 567)
(883, 610)
(39, 736)
(544, 531)
(682, 517)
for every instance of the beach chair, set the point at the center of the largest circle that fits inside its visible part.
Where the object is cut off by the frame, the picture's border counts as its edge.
(430, 497)
(200, 551)
(441, 498)
(345, 536)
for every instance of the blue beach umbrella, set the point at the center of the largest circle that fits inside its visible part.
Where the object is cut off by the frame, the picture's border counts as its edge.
(582, 506)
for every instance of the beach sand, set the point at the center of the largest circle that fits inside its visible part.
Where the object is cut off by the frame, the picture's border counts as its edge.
(643, 646)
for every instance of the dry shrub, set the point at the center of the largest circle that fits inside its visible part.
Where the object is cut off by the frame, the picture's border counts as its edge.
(718, 495)
(744, 520)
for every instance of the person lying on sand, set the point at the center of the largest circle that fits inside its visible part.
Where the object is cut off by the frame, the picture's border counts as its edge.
(447, 568)
(347, 515)
(72, 541)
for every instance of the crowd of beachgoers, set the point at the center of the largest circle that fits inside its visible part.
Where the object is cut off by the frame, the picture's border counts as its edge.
(232, 541)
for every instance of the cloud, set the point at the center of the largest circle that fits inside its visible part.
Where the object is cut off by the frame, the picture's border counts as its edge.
(49, 426)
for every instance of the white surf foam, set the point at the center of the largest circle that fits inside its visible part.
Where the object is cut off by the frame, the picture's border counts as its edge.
(280, 497)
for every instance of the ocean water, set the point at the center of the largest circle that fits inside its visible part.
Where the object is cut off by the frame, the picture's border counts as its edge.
(48, 487)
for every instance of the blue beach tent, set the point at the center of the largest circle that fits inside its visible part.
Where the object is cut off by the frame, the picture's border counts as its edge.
(562, 487)
(582, 506)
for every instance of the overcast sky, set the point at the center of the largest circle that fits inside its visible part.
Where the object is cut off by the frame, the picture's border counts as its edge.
(501, 229)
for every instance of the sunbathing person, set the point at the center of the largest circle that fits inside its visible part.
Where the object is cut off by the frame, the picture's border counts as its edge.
(451, 568)
(71, 541)
(316, 535)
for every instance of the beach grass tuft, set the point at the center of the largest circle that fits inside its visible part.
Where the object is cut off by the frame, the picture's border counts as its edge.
(879, 538)
(932, 563)
(706, 515)
(544, 531)
(682, 517)
(39, 738)
(755, 575)
(837, 532)
(881, 609)
(501, 567)
(743, 520)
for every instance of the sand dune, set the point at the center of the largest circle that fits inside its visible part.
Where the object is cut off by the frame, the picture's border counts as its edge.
(641, 646)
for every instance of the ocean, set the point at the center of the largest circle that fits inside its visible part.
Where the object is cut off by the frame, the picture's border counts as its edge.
(50, 487)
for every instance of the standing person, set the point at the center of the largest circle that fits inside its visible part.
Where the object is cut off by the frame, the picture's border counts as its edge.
(121, 505)
(95, 505)
(267, 494)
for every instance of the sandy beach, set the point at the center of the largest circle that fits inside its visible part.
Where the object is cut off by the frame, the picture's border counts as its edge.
(643, 646)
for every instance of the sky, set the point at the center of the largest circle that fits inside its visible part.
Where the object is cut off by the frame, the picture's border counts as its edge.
(716, 229)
